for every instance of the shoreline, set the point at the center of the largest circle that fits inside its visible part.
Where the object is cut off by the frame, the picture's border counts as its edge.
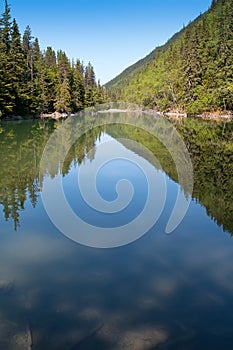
(211, 116)
(221, 116)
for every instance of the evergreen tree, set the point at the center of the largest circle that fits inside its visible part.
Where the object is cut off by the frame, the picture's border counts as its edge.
(33, 82)
(6, 86)
(37, 78)
(89, 78)
(5, 28)
(77, 87)
(50, 58)
(7, 101)
(50, 80)
(90, 85)
(18, 67)
(63, 97)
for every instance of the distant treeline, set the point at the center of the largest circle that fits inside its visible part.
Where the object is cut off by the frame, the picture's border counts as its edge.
(34, 82)
(193, 72)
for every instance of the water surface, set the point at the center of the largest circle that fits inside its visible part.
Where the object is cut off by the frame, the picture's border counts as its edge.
(160, 292)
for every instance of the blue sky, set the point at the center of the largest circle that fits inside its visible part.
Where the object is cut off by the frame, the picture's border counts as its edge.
(111, 34)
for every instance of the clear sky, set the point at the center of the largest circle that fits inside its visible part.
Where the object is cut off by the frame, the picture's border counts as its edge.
(111, 34)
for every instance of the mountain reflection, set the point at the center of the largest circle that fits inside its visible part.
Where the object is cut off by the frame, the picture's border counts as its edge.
(211, 150)
(210, 146)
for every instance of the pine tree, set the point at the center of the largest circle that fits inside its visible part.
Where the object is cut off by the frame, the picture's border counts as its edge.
(5, 28)
(77, 87)
(6, 86)
(50, 81)
(90, 85)
(89, 78)
(29, 72)
(33, 82)
(63, 97)
(37, 79)
(18, 67)
(50, 58)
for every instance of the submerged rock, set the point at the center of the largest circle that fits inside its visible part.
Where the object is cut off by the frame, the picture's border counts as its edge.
(15, 336)
(6, 286)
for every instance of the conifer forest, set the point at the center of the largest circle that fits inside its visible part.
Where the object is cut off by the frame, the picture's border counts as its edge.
(192, 72)
(35, 81)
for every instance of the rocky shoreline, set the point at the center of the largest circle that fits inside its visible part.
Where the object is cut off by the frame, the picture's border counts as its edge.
(218, 116)
(221, 116)
(54, 115)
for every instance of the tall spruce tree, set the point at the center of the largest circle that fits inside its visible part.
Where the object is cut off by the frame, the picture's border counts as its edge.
(90, 85)
(18, 68)
(50, 80)
(6, 86)
(5, 27)
(63, 91)
(34, 82)
(77, 86)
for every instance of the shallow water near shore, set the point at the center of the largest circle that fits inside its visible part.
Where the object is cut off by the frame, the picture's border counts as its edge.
(160, 292)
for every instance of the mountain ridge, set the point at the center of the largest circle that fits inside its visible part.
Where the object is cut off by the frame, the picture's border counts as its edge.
(192, 72)
(147, 59)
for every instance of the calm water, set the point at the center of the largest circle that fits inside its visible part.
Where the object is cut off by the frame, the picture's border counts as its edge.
(160, 292)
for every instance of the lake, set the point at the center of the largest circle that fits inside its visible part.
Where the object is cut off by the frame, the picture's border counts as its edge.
(99, 282)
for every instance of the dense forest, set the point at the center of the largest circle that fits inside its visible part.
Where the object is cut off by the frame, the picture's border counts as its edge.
(34, 81)
(192, 72)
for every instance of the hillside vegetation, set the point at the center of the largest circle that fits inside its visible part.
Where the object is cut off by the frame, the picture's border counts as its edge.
(192, 72)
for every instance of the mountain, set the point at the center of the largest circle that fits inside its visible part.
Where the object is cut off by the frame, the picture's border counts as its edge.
(192, 72)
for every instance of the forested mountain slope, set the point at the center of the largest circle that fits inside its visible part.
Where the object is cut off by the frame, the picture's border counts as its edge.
(193, 72)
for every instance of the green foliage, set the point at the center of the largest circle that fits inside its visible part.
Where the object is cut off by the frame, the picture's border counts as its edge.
(193, 72)
(209, 144)
(21, 149)
(34, 82)
(211, 150)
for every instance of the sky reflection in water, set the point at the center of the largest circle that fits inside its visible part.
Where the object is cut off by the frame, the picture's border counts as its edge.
(161, 292)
